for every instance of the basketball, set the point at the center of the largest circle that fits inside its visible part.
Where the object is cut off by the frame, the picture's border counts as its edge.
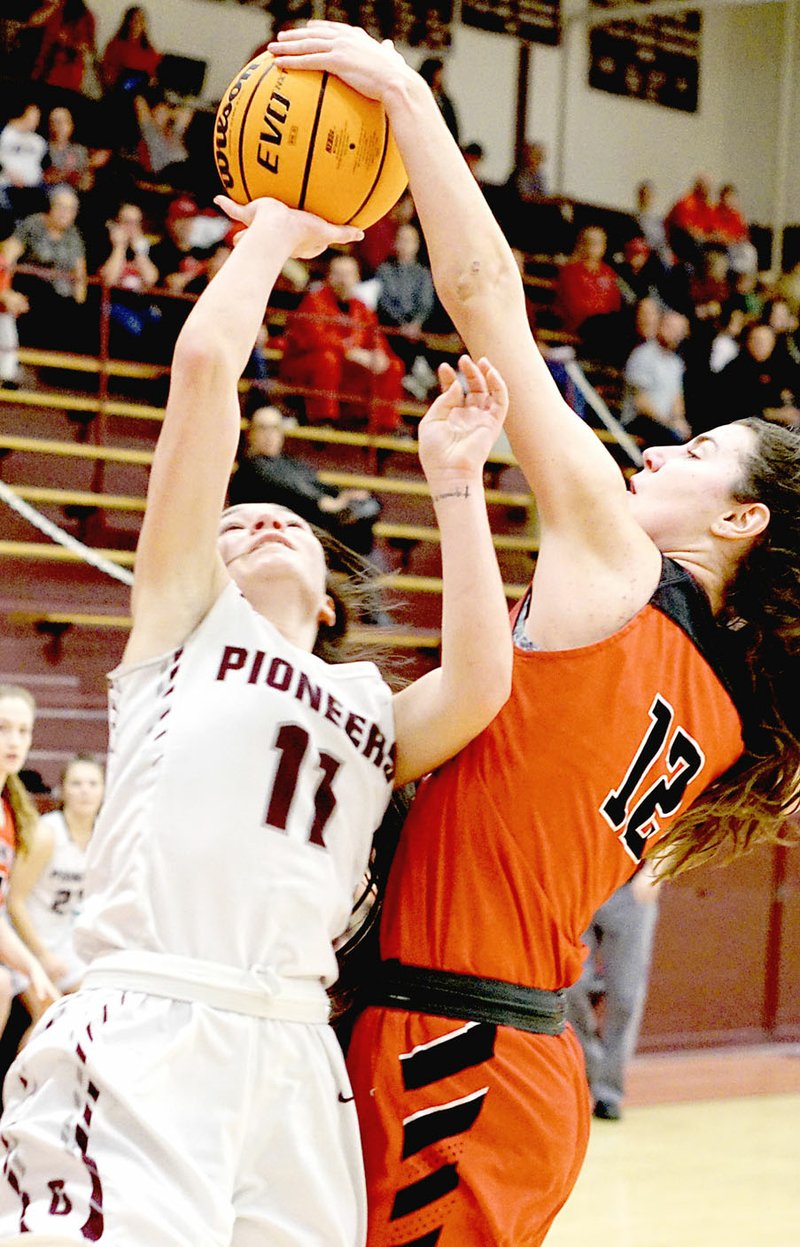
(306, 138)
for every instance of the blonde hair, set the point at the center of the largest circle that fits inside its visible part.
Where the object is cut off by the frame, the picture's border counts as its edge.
(23, 810)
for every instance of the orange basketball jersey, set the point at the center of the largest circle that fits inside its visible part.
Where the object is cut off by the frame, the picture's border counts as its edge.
(8, 848)
(511, 847)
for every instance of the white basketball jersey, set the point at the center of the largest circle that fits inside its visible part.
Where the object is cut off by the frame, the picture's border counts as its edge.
(54, 901)
(245, 780)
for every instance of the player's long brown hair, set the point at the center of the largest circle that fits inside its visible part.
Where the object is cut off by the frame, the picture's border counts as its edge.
(750, 803)
(23, 810)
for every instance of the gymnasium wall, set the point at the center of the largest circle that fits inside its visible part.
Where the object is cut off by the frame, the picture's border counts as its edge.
(611, 143)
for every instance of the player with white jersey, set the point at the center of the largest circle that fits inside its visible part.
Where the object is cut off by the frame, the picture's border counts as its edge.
(47, 883)
(191, 1092)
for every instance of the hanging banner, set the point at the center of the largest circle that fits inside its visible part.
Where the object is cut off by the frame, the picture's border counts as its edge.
(417, 25)
(655, 58)
(533, 21)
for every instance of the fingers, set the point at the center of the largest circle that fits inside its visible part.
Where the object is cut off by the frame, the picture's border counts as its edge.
(478, 384)
(495, 384)
(237, 212)
(473, 376)
(346, 234)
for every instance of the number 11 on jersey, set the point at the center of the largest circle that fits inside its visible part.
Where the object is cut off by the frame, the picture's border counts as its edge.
(292, 743)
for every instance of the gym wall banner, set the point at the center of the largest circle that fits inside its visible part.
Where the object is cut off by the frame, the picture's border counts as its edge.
(533, 21)
(654, 58)
(426, 25)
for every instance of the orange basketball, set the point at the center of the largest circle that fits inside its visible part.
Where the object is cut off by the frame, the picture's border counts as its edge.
(309, 140)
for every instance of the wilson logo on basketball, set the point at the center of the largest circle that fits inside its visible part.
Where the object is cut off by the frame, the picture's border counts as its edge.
(222, 127)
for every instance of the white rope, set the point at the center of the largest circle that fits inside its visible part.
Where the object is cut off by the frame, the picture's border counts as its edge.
(599, 407)
(58, 535)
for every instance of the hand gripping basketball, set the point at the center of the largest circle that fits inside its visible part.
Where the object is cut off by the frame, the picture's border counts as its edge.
(354, 56)
(313, 235)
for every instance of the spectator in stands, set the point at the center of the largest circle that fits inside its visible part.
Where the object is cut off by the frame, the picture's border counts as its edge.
(129, 269)
(266, 473)
(432, 71)
(51, 242)
(532, 220)
(725, 344)
(68, 53)
(67, 163)
(161, 152)
(757, 382)
(177, 257)
(587, 293)
(641, 274)
(711, 346)
(731, 229)
(18, 817)
(709, 287)
(180, 263)
(748, 290)
(529, 180)
(22, 152)
(335, 347)
(691, 221)
(620, 943)
(47, 884)
(130, 61)
(12, 305)
(777, 313)
(653, 403)
(405, 301)
(650, 223)
(636, 324)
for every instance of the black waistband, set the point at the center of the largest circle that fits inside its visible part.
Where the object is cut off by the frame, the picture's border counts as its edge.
(468, 998)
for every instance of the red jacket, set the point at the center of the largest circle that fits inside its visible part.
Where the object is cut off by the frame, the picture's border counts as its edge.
(584, 292)
(319, 324)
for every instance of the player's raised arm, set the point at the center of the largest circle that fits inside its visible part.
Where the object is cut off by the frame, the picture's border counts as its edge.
(179, 572)
(440, 713)
(475, 273)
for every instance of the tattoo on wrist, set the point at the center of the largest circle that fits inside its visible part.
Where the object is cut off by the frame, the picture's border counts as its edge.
(458, 492)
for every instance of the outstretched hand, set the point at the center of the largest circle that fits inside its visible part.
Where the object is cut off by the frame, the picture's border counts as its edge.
(311, 235)
(346, 51)
(462, 425)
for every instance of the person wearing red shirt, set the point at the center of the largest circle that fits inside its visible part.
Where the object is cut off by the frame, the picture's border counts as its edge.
(129, 52)
(691, 221)
(68, 45)
(730, 225)
(335, 347)
(586, 285)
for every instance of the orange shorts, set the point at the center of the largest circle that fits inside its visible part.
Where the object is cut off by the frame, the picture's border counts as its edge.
(472, 1133)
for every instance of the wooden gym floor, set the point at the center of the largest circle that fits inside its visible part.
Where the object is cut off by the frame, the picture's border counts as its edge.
(707, 1155)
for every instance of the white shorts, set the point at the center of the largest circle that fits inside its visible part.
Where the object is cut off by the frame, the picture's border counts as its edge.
(133, 1120)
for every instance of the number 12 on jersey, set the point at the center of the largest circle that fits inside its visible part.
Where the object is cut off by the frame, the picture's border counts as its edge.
(635, 818)
(292, 743)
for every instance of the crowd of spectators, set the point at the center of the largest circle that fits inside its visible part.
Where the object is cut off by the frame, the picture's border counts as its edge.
(680, 308)
(136, 213)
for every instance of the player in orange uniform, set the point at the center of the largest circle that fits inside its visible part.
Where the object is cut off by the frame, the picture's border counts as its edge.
(651, 706)
(18, 817)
